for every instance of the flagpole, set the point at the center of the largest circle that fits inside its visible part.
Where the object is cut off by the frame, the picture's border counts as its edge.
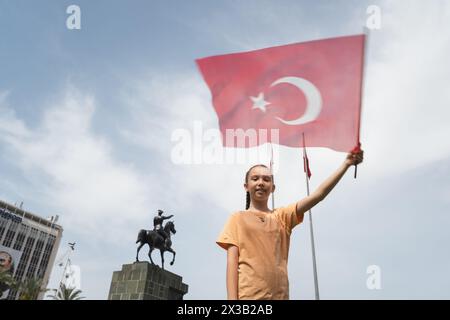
(273, 176)
(362, 89)
(306, 169)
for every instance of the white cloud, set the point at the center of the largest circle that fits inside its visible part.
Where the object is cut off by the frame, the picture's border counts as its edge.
(94, 194)
(10, 125)
(406, 103)
(158, 108)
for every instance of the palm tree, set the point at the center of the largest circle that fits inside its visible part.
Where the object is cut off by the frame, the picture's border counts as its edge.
(66, 293)
(30, 288)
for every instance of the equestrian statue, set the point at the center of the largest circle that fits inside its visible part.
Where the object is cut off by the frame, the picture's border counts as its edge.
(158, 238)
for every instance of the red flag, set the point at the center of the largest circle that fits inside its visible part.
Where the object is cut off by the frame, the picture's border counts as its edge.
(306, 165)
(305, 159)
(312, 87)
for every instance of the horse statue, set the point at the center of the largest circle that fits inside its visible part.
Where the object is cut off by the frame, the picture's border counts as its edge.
(156, 241)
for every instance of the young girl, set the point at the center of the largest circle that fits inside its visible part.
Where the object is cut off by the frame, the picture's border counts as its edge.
(257, 240)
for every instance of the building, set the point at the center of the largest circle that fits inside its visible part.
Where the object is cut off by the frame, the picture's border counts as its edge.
(28, 245)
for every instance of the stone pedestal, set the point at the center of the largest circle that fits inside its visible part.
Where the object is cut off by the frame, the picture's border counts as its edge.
(143, 281)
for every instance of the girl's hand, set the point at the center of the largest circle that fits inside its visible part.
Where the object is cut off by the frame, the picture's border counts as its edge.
(354, 158)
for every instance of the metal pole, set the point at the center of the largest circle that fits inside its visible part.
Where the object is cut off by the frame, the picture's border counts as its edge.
(68, 263)
(316, 281)
(273, 198)
(366, 32)
(273, 176)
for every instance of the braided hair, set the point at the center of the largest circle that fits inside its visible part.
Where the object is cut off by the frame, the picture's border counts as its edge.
(248, 200)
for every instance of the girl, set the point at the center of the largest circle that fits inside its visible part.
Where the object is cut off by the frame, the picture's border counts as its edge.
(257, 240)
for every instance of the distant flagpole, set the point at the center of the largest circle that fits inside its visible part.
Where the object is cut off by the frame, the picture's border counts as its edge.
(273, 176)
(361, 92)
(307, 175)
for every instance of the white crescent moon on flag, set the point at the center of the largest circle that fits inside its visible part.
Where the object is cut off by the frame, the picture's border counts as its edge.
(313, 99)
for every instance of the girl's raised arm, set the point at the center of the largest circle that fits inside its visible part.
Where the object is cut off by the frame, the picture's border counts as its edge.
(324, 189)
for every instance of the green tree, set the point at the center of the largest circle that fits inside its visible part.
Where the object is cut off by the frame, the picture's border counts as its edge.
(30, 288)
(66, 293)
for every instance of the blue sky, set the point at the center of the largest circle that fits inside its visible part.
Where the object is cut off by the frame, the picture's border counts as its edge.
(86, 118)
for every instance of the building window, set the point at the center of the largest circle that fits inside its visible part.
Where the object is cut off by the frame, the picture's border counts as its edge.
(36, 254)
(21, 237)
(2, 227)
(46, 256)
(10, 234)
(25, 255)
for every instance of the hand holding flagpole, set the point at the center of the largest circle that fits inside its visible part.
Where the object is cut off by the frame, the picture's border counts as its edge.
(354, 158)
(356, 150)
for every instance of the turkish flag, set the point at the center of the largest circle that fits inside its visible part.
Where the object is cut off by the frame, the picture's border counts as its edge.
(312, 88)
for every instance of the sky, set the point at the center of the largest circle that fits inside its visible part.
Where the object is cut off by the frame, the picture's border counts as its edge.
(87, 117)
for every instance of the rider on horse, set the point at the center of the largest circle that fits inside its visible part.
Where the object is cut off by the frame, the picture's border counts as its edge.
(159, 238)
(157, 223)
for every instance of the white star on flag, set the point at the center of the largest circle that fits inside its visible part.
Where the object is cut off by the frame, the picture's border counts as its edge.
(259, 102)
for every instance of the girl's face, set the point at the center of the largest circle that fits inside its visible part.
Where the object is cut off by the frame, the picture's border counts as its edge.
(259, 184)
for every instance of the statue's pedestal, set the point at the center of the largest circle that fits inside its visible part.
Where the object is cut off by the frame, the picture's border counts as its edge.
(143, 281)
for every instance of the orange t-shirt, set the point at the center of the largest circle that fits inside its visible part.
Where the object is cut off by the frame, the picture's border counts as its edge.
(263, 242)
